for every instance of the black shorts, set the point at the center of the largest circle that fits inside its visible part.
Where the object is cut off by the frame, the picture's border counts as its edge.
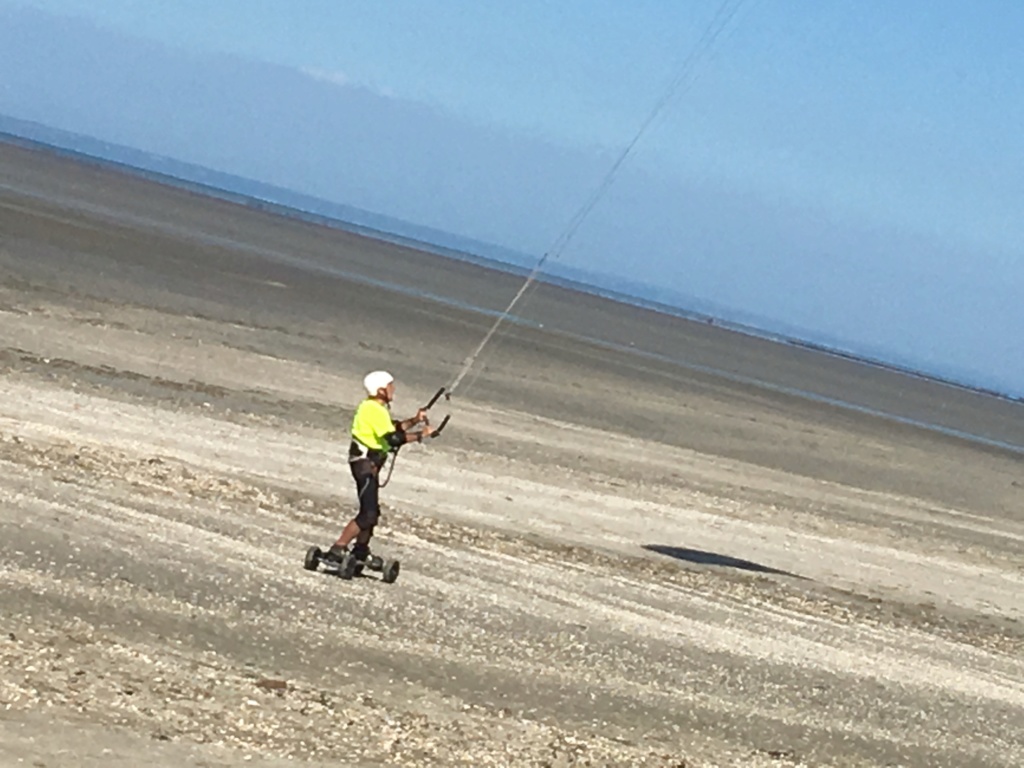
(364, 472)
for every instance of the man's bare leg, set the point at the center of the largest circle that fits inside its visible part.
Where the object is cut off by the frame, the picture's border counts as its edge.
(350, 531)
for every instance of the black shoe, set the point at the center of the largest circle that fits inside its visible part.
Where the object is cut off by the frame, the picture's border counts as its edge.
(361, 552)
(335, 553)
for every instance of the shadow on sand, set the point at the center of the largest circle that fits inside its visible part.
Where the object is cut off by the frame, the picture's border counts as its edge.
(713, 558)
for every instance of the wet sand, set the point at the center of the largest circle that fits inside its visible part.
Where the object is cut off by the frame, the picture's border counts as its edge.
(608, 557)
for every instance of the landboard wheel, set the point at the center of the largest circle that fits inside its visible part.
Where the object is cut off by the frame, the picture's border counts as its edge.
(375, 563)
(347, 566)
(390, 571)
(313, 557)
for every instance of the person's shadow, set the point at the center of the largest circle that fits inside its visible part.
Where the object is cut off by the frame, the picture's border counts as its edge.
(700, 557)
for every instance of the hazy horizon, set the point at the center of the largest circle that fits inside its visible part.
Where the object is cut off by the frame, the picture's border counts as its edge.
(283, 202)
(896, 239)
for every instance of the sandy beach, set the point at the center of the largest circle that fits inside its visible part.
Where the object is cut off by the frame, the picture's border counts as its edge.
(645, 554)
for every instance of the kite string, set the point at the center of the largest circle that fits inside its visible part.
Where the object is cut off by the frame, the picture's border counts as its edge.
(722, 18)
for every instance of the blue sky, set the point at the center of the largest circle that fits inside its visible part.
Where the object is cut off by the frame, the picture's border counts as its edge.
(852, 171)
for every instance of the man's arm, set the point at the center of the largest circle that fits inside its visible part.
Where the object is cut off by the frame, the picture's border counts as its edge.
(419, 418)
(401, 436)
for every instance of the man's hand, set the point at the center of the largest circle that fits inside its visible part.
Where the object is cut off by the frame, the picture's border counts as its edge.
(421, 416)
(427, 431)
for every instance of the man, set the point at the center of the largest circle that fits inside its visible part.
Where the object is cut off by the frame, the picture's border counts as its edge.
(374, 435)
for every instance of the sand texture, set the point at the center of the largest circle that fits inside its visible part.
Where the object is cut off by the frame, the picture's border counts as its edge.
(609, 559)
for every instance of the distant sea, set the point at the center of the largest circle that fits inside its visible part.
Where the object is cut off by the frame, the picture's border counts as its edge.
(285, 202)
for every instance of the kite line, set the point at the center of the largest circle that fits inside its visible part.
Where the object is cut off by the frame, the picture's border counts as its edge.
(725, 15)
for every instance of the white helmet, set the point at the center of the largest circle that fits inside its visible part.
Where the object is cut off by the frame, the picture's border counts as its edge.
(376, 381)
